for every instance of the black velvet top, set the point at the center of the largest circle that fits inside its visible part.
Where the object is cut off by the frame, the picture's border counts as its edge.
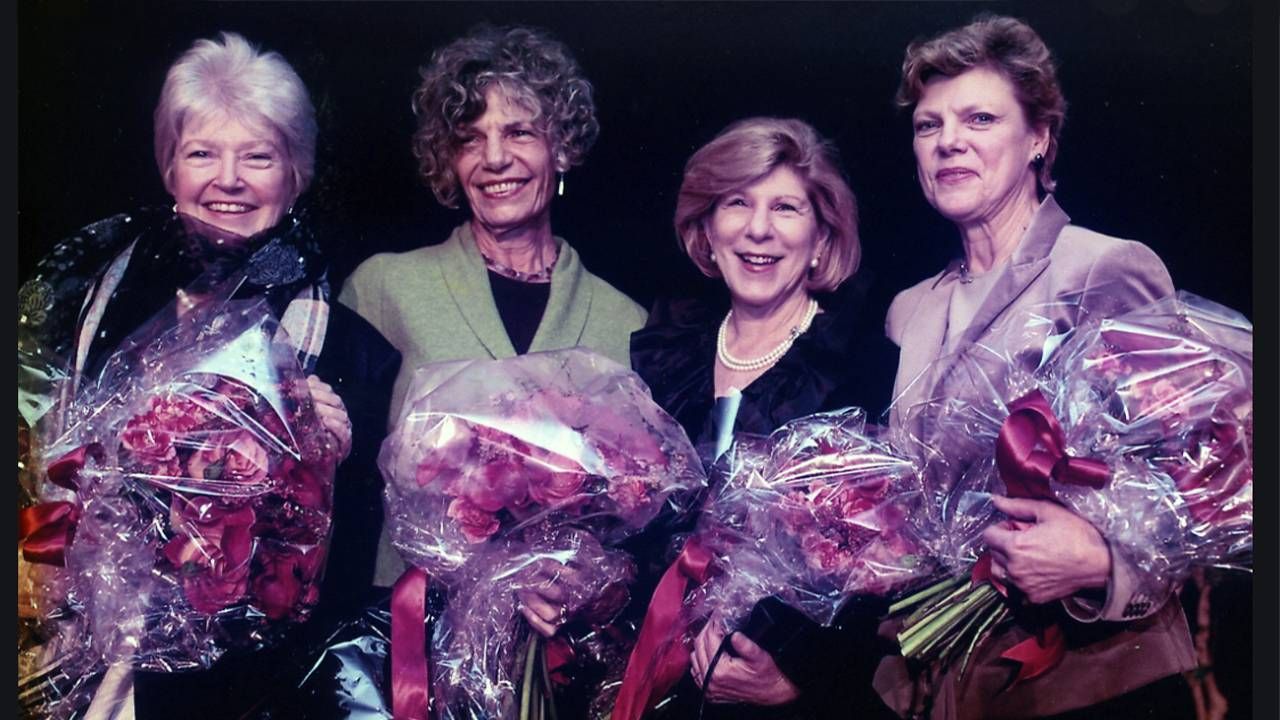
(836, 363)
(843, 360)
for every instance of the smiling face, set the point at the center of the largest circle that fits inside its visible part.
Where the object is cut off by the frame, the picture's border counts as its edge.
(974, 149)
(764, 237)
(505, 167)
(230, 175)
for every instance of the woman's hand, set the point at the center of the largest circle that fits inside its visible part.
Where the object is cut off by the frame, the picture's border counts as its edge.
(746, 675)
(544, 601)
(333, 414)
(1050, 554)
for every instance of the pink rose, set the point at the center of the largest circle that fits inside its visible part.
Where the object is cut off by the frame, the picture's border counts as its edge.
(477, 525)
(497, 483)
(240, 460)
(150, 449)
(555, 487)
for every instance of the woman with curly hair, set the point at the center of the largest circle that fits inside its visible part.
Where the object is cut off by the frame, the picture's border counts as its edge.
(503, 114)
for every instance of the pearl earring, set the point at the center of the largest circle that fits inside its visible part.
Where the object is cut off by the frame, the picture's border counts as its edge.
(560, 187)
(712, 255)
(814, 262)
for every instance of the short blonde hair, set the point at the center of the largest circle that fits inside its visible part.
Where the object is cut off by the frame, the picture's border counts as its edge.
(745, 152)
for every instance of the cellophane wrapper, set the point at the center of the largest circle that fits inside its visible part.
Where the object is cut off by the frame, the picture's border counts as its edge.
(523, 473)
(1163, 395)
(205, 491)
(817, 512)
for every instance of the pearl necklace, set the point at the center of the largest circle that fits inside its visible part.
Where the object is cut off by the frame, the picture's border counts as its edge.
(769, 358)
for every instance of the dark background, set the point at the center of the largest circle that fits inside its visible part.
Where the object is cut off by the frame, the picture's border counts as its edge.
(1156, 146)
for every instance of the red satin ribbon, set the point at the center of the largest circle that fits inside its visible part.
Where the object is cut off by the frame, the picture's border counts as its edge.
(410, 675)
(656, 666)
(1031, 450)
(45, 530)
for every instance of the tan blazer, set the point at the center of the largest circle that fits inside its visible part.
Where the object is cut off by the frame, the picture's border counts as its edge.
(1065, 274)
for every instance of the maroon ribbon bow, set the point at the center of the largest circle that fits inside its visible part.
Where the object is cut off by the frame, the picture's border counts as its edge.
(45, 530)
(1030, 451)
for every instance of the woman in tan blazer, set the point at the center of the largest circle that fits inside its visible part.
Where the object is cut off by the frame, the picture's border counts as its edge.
(987, 110)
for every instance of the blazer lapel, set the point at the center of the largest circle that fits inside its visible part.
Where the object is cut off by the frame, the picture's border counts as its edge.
(565, 319)
(1029, 260)
(922, 337)
(465, 276)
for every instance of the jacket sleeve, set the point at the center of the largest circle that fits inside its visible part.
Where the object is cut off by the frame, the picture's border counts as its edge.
(1127, 276)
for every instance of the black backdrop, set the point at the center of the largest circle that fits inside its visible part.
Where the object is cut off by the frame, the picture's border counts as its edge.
(1156, 146)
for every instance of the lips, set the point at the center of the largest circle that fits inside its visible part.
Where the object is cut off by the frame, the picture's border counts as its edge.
(953, 175)
(233, 208)
(501, 188)
(758, 263)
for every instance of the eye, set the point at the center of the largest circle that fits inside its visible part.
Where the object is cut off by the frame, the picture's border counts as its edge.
(259, 159)
(199, 154)
(982, 118)
(926, 126)
(735, 202)
(786, 207)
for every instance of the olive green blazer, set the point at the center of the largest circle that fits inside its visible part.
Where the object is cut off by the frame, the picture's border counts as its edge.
(434, 304)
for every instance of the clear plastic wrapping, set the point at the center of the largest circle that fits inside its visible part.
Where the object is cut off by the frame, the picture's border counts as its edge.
(1160, 397)
(525, 474)
(203, 490)
(817, 512)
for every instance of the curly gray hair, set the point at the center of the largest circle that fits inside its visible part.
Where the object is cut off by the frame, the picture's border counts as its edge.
(531, 67)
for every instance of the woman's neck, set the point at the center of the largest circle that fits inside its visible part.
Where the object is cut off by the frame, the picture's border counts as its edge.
(528, 249)
(754, 327)
(989, 242)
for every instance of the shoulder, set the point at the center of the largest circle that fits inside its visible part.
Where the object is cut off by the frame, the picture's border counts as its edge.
(389, 270)
(1126, 271)
(611, 303)
(905, 304)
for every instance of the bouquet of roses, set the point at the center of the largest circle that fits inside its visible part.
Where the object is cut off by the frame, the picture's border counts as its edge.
(1141, 424)
(198, 490)
(512, 475)
(813, 515)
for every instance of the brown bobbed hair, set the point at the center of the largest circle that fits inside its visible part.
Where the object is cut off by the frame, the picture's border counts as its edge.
(746, 152)
(531, 67)
(1008, 46)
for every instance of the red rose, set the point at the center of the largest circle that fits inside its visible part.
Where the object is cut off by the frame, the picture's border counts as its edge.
(178, 413)
(288, 580)
(476, 524)
(211, 549)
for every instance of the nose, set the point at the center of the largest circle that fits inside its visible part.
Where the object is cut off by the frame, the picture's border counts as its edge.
(949, 138)
(496, 156)
(760, 226)
(228, 173)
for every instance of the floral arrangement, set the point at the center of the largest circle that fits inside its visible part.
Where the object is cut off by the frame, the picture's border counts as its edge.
(814, 515)
(199, 495)
(1141, 424)
(511, 475)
